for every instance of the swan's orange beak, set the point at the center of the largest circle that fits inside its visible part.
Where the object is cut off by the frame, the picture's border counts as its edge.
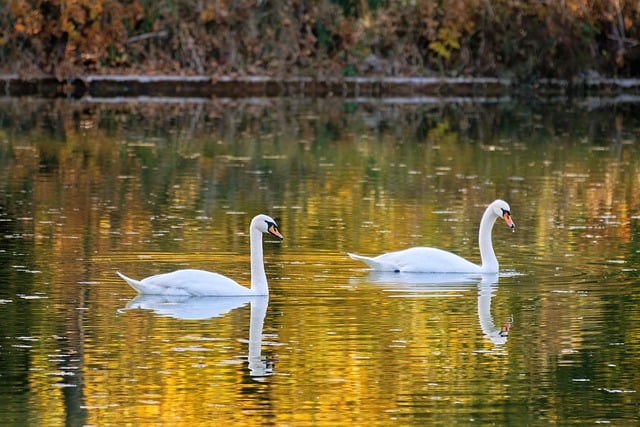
(506, 215)
(273, 230)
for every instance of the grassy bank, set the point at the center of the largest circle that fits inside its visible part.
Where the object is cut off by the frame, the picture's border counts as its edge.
(519, 40)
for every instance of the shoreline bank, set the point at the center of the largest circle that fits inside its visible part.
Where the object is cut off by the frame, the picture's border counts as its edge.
(109, 86)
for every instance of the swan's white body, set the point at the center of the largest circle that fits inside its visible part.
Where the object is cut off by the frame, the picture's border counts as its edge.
(190, 282)
(432, 260)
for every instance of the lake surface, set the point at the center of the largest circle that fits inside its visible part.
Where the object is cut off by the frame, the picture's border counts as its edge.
(145, 186)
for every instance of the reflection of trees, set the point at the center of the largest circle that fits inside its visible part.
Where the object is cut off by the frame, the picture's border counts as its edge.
(133, 172)
(96, 179)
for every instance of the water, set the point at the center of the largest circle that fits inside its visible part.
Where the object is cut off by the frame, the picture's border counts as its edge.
(91, 188)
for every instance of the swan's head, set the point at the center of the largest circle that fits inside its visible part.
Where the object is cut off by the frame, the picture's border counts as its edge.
(266, 224)
(502, 210)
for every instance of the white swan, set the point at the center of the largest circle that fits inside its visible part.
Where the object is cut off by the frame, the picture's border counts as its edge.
(432, 260)
(204, 283)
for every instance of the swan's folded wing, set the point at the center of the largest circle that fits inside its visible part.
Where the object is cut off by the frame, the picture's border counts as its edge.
(419, 260)
(431, 260)
(192, 282)
(374, 263)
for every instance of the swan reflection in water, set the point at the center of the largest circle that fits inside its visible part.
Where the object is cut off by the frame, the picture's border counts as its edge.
(200, 308)
(449, 284)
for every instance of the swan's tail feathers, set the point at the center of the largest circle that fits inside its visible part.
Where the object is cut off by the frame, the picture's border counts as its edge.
(374, 263)
(135, 284)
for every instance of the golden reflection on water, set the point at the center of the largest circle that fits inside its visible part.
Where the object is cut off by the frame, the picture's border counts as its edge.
(552, 337)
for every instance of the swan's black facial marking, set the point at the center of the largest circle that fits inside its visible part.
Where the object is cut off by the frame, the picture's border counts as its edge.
(272, 228)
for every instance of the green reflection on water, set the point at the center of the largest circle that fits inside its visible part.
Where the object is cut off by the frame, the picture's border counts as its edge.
(88, 189)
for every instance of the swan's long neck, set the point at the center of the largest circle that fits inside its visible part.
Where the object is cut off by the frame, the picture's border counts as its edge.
(258, 277)
(487, 255)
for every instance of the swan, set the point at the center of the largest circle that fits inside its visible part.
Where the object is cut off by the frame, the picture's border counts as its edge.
(432, 260)
(190, 282)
